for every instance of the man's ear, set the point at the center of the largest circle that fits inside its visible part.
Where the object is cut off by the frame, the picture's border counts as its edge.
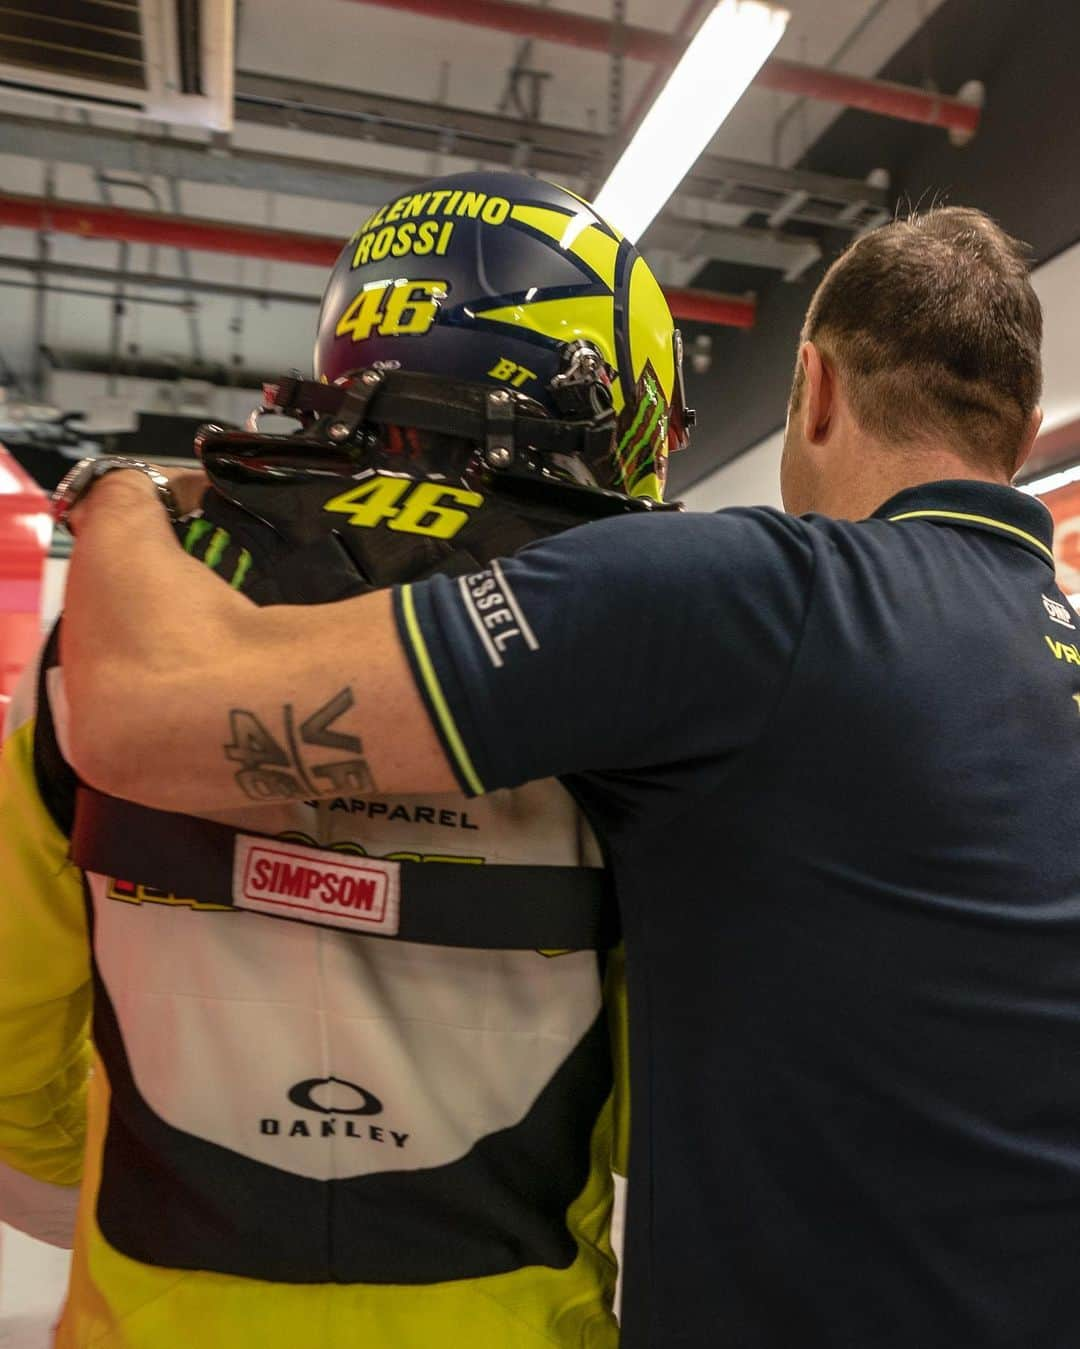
(819, 394)
(1031, 431)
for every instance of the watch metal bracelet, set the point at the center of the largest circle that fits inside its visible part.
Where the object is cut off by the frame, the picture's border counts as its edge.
(78, 482)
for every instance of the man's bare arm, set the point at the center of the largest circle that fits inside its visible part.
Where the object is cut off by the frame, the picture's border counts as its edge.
(186, 696)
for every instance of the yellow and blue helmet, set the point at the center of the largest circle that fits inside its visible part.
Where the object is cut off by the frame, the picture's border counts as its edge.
(504, 281)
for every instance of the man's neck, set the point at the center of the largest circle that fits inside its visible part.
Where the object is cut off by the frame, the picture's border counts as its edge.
(864, 494)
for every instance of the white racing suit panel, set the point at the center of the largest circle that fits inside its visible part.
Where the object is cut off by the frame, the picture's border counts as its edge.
(454, 1044)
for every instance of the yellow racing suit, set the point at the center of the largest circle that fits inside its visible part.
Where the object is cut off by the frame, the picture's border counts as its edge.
(284, 1133)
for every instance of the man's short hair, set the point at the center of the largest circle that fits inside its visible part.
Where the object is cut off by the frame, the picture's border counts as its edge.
(935, 330)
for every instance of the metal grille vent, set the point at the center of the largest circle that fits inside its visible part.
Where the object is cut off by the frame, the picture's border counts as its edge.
(100, 40)
(189, 46)
(167, 60)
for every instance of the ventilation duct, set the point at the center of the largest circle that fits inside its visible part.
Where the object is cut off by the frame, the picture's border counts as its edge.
(170, 60)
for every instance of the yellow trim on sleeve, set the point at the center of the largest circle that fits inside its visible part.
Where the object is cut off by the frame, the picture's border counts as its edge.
(977, 520)
(435, 693)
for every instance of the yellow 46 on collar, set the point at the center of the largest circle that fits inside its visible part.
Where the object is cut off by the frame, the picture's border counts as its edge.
(406, 506)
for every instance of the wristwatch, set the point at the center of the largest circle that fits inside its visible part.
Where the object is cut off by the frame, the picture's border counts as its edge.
(75, 485)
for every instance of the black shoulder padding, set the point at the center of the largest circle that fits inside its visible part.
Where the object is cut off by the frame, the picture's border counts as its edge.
(317, 573)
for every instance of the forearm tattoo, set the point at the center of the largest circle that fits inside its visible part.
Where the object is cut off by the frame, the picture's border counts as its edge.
(285, 770)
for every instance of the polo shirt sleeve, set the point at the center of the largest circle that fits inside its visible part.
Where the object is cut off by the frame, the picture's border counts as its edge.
(623, 644)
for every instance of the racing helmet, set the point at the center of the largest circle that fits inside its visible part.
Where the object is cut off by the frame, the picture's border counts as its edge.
(510, 283)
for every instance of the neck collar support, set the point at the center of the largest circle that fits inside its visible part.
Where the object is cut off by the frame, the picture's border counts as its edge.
(518, 448)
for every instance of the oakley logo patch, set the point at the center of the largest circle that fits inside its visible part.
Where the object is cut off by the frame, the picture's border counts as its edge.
(339, 1102)
(311, 885)
(359, 1101)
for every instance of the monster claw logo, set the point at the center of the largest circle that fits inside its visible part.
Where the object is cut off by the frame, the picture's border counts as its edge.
(640, 453)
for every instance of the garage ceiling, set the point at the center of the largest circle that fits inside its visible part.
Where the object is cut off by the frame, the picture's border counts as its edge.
(334, 106)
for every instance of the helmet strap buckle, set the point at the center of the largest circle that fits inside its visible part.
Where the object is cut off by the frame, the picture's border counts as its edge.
(500, 437)
(353, 412)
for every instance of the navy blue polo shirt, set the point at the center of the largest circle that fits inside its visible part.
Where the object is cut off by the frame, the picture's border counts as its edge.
(835, 769)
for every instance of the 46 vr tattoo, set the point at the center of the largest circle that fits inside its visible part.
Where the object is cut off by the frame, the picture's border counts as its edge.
(272, 771)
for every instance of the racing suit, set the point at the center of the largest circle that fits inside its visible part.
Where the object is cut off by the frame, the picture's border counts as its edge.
(284, 1132)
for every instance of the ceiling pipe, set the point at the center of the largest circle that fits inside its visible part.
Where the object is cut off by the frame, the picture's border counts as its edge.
(89, 221)
(707, 306)
(549, 25)
(153, 281)
(882, 97)
(118, 224)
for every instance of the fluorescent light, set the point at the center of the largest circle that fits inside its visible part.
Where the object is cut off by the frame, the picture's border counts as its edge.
(725, 54)
(1038, 486)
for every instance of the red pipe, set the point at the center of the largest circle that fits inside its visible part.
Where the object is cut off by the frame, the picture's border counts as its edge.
(708, 306)
(550, 25)
(900, 101)
(249, 241)
(146, 227)
(646, 44)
